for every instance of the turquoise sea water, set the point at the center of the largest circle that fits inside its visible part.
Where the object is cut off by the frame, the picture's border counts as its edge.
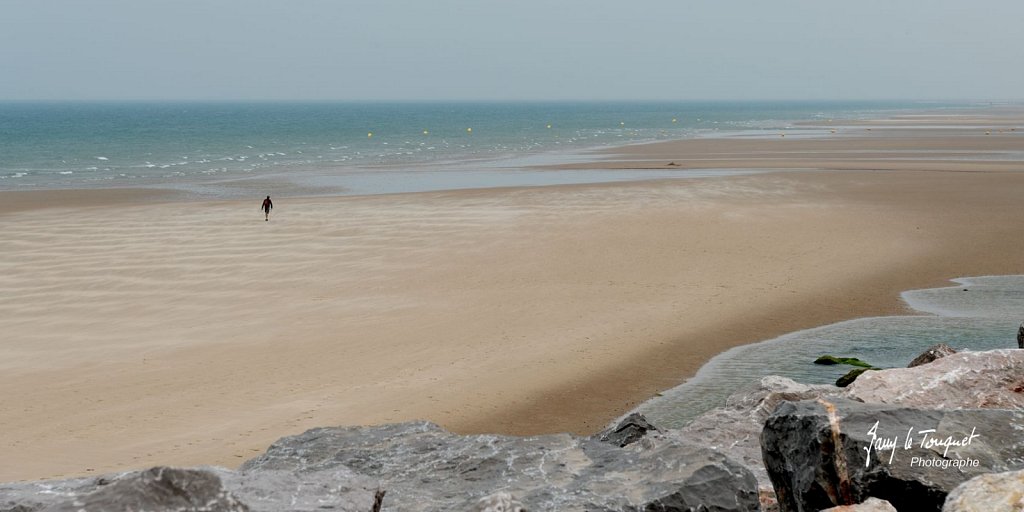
(979, 313)
(189, 145)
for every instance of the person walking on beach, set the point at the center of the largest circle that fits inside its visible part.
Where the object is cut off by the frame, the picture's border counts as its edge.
(267, 206)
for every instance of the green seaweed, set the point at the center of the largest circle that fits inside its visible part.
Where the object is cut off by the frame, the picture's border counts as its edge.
(852, 361)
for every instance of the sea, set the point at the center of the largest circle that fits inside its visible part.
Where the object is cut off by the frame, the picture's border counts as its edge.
(239, 150)
(243, 150)
(974, 313)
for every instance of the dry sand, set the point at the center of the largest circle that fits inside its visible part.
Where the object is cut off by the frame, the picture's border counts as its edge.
(139, 333)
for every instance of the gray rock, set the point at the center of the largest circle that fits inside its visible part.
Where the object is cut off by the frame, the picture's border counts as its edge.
(264, 491)
(932, 353)
(1020, 336)
(338, 489)
(499, 502)
(869, 505)
(821, 454)
(736, 428)
(159, 488)
(631, 429)
(995, 492)
(33, 496)
(992, 379)
(426, 468)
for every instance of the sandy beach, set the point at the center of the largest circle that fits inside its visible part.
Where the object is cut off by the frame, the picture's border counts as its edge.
(143, 330)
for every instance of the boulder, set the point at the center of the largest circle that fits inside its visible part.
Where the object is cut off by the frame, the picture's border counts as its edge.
(736, 427)
(423, 467)
(823, 453)
(994, 492)
(631, 429)
(159, 488)
(991, 379)
(869, 505)
(932, 353)
(850, 376)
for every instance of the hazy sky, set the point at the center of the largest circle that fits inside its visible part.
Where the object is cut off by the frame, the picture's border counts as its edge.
(511, 49)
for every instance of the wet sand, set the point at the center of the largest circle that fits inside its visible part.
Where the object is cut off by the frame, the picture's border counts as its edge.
(140, 333)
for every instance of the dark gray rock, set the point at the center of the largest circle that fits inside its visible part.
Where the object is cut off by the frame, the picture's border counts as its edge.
(934, 352)
(850, 376)
(158, 489)
(631, 429)
(426, 468)
(1020, 336)
(821, 453)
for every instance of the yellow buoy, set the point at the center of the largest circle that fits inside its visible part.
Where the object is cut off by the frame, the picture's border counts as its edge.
(425, 132)
(673, 119)
(469, 130)
(369, 134)
(549, 126)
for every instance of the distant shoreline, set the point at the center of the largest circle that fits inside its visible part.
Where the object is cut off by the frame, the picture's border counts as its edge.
(228, 150)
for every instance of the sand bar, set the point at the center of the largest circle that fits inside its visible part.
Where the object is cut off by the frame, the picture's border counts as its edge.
(196, 333)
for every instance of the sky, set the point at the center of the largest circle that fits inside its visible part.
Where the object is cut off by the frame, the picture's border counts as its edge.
(511, 50)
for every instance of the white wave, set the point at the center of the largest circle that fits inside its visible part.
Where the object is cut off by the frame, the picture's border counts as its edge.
(102, 158)
(67, 172)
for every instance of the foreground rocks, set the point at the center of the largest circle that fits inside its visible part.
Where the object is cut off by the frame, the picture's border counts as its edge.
(822, 453)
(715, 463)
(204, 489)
(991, 379)
(426, 468)
(423, 467)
